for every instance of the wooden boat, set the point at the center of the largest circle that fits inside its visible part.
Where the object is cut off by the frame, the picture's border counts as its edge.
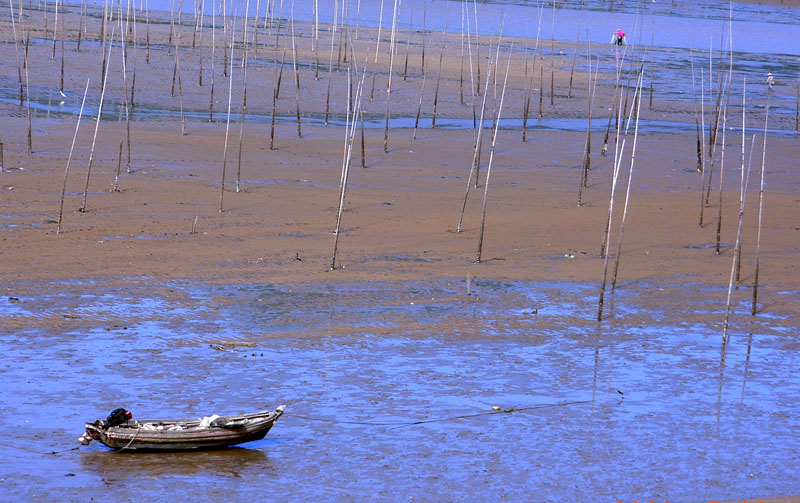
(212, 432)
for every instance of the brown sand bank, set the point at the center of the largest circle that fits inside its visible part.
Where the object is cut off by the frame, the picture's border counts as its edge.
(400, 217)
(401, 212)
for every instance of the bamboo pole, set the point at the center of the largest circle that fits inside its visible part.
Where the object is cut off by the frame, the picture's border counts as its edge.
(255, 31)
(350, 125)
(421, 94)
(477, 49)
(61, 84)
(476, 152)
(491, 155)
(721, 173)
(171, 26)
(439, 71)
(796, 106)
(696, 120)
(461, 59)
(244, 31)
(28, 95)
(363, 143)
(213, 59)
(526, 103)
(754, 307)
(228, 121)
(180, 89)
(147, 31)
(703, 140)
(330, 65)
(16, 48)
(296, 77)
(618, 151)
(107, 58)
(552, 74)
(275, 92)
(389, 79)
(378, 38)
(541, 90)
(587, 150)
(471, 75)
(244, 115)
(81, 23)
(743, 183)
(638, 102)
(604, 148)
(115, 187)
(69, 159)
(704, 197)
(408, 44)
(618, 154)
(358, 16)
(55, 30)
(737, 257)
(574, 56)
(123, 31)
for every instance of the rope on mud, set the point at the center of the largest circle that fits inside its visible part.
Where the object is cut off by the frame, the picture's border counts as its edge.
(402, 424)
(65, 450)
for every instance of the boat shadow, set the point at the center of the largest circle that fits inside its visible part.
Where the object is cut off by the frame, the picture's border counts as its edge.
(122, 465)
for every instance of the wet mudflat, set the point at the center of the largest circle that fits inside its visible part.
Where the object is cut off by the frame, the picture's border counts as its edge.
(389, 369)
(645, 407)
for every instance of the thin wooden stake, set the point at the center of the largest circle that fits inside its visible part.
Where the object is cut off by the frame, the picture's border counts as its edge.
(389, 83)
(421, 94)
(275, 92)
(475, 154)
(125, 87)
(574, 56)
(350, 126)
(797, 106)
(439, 71)
(638, 101)
(69, 159)
(754, 307)
(296, 78)
(97, 123)
(213, 50)
(115, 187)
(16, 49)
(737, 257)
(721, 173)
(491, 158)
(28, 95)
(228, 122)
(618, 153)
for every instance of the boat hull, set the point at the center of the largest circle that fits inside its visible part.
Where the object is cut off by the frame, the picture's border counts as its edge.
(183, 435)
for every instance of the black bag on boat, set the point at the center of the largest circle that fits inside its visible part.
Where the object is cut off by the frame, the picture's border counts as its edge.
(117, 417)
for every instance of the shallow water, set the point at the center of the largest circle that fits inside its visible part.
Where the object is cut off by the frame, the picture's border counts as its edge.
(664, 414)
(575, 124)
(757, 28)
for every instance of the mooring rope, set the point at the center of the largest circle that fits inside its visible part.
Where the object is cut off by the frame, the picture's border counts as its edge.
(402, 424)
(65, 450)
(131, 441)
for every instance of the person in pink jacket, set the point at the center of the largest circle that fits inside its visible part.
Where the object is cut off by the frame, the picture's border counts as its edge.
(619, 37)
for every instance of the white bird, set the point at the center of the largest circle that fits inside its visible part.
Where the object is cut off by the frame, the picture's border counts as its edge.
(62, 93)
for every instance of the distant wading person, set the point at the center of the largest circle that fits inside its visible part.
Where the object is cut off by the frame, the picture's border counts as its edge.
(619, 37)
